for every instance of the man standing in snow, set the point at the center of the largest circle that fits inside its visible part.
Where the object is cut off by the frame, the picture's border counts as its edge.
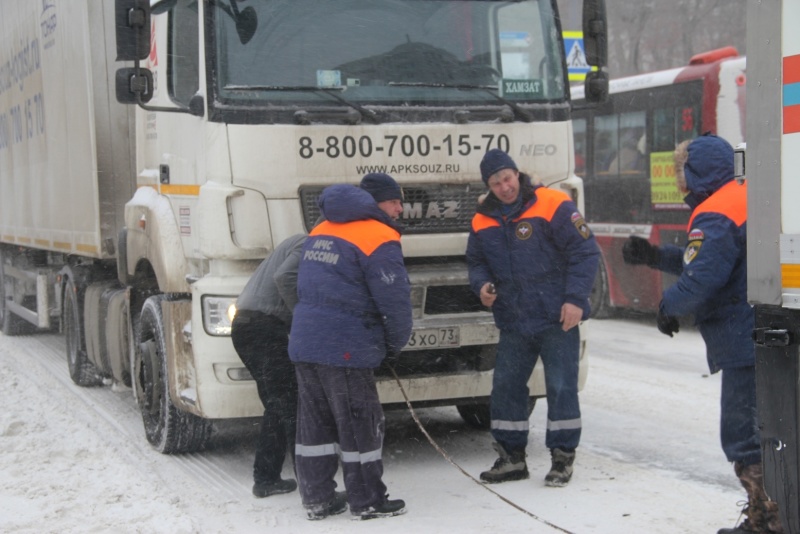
(354, 310)
(712, 286)
(260, 335)
(533, 260)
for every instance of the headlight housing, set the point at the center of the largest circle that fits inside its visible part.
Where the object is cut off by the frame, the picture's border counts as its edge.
(218, 313)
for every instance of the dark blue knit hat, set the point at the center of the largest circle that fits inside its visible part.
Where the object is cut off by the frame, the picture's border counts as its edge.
(381, 186)
(493, 161)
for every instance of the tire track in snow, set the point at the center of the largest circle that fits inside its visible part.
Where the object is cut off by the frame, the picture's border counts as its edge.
(211, 469)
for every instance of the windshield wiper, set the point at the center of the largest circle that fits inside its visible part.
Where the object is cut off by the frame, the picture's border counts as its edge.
(518, 111)
(328, 91)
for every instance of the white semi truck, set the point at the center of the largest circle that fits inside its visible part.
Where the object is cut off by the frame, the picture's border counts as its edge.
(773, 241)
(133, 228)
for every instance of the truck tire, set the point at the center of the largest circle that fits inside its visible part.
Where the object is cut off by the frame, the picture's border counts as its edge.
(478, 415)
(81, 370)
(168, 429)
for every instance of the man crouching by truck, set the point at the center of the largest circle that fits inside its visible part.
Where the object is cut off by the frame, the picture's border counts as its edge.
(354, 309)
(712, 285)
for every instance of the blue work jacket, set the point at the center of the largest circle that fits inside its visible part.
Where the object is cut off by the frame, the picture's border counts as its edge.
(353, 288)
(539, 257)
(712, 281)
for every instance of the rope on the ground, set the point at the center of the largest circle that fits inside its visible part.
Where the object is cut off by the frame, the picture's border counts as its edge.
(447, 457)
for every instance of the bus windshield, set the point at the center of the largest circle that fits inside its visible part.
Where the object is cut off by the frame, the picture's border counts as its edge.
(385, 52)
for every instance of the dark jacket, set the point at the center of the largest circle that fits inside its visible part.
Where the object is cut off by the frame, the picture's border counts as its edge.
(355, 296)
(712, 268)
(539, 257)
(272, 289)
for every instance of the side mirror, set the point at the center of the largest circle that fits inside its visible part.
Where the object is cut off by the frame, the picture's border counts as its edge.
(132, 19)
(596, 87)
(197, 105)
(595, 33)
(131, 86)
(246, 24)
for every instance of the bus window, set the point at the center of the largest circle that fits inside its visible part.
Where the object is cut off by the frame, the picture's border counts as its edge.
(630, 157)
(664, 130)
(686, 121)
(674, 124)
(620, 143)
(605, 143)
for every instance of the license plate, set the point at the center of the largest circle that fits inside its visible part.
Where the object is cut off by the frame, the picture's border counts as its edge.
(434, 338)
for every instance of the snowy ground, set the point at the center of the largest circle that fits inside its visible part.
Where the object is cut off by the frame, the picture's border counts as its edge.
(75, 460)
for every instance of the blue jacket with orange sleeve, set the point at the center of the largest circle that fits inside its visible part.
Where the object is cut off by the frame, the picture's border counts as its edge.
(539, 256)
(712, 268)
(354, 294)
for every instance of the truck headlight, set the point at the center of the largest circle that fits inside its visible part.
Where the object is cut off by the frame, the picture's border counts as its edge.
(218, 315)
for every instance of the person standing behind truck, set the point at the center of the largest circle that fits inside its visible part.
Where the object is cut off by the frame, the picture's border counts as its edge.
(533, 260)
(354, 310)
(712, 285)
(260, 335)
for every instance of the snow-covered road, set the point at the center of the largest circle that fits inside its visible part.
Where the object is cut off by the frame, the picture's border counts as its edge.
(75, 460)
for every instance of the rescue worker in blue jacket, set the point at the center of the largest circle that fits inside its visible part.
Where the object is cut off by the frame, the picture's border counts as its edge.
(533, 260)
(712, 286)
(354, 310)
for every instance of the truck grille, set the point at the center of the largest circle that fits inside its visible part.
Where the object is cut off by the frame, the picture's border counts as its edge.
(427, 208)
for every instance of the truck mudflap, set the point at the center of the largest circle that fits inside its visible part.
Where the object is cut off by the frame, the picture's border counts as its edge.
(777, 373)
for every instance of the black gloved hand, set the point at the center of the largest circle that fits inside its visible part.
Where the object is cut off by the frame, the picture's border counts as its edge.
(667, 324)
(639, 251)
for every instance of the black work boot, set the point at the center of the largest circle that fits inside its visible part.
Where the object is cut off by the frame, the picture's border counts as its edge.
(761, 513)
(387, 508)
(561, 469)
(274, 488)
(510, 466)
(335, 506)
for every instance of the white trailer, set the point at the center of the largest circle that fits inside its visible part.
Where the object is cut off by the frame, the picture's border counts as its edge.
(773, 240)
(133, 228)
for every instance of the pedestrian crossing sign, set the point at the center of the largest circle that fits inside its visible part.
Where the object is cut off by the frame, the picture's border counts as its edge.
(577, 67)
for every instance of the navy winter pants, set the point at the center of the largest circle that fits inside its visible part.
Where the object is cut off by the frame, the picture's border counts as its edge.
(516, 356)
(339, 415)
(738, 425)
(262, 341)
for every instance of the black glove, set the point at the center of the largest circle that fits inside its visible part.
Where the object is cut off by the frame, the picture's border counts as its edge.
(639, 251)
(667, 324)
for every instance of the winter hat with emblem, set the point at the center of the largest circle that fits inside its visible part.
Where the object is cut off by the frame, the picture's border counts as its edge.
(381, 186)
(493, 161)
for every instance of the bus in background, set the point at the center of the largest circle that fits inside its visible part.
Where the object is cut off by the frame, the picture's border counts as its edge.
(623, 152)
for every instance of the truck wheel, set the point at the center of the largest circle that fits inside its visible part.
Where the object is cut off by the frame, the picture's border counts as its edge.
(478, 415)
(81, 370)
(598, 298)
(168, 429)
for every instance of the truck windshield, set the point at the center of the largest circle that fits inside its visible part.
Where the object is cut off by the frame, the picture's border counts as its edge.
(385, 53)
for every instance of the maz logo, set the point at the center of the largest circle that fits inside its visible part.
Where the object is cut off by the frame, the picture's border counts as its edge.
(447, 209)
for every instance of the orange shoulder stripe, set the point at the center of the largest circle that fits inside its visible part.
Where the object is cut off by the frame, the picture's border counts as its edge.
(367, 235)
(482, 222)
(547, 202)
(729, 200)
